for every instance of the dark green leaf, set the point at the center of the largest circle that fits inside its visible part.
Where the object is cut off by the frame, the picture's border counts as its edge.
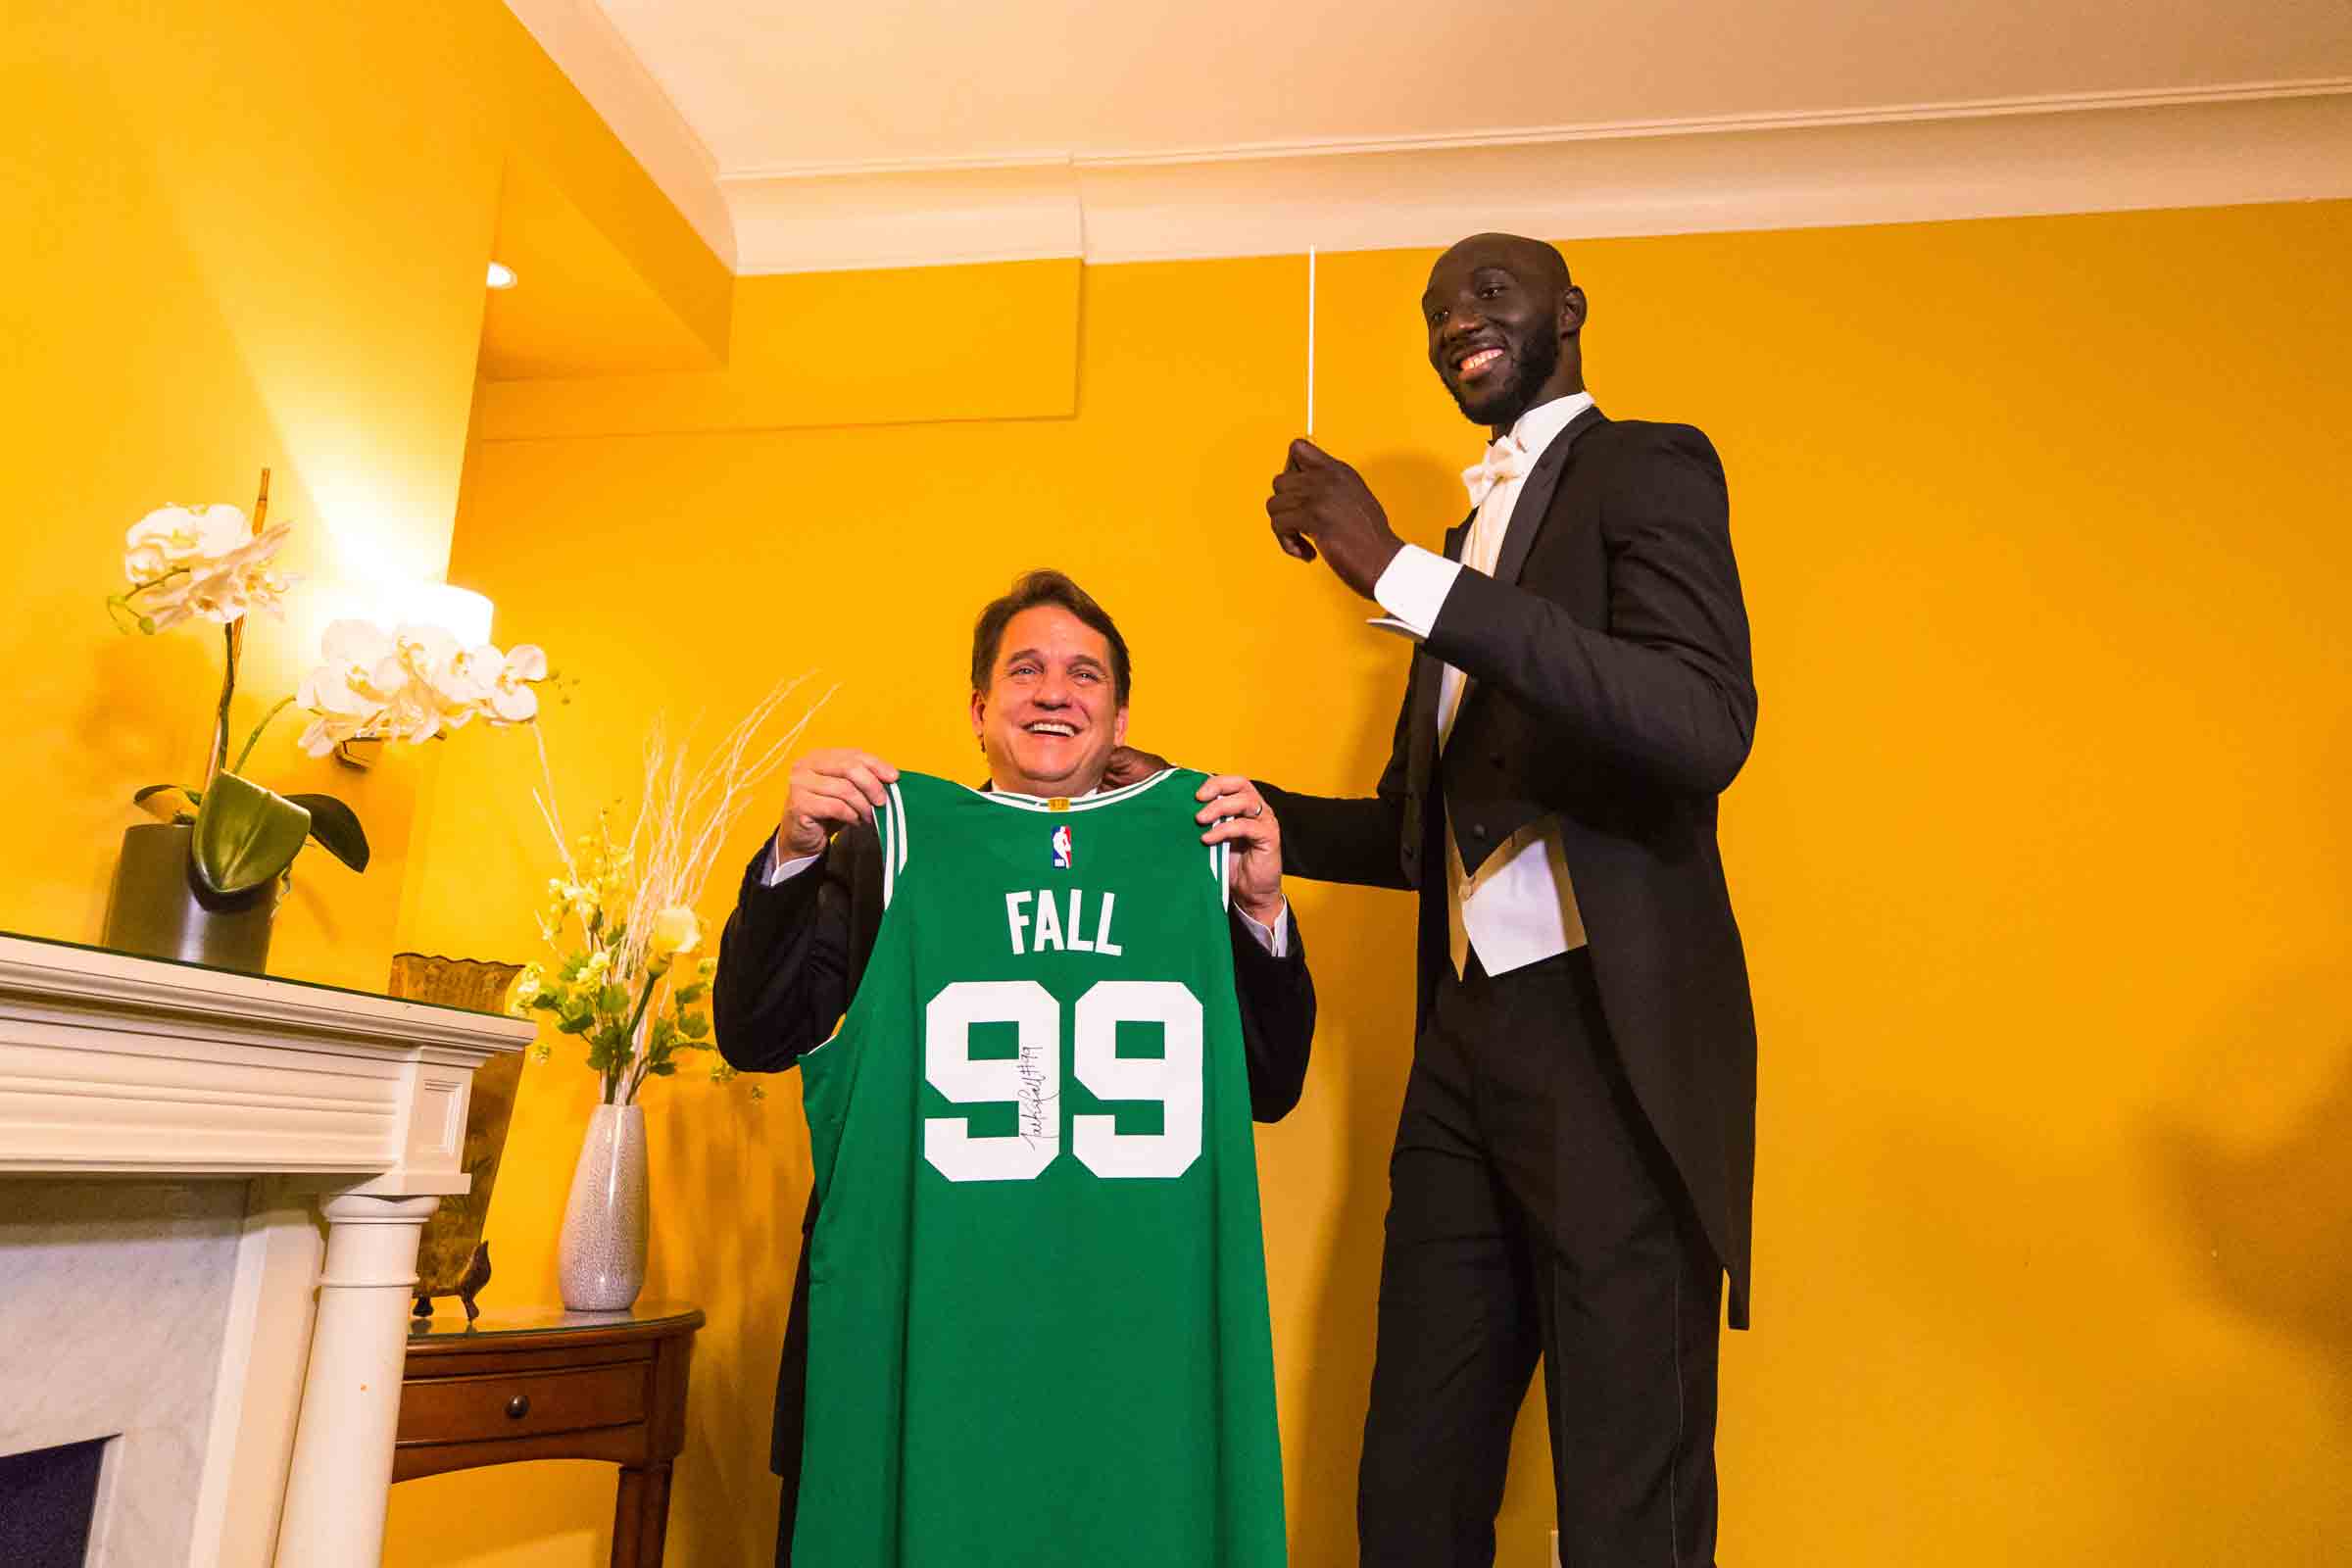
(609, 1048)
(614, 1000)
(168, 803)
(245, 836)
(336, 827)
(694, 1025)
(687, 996)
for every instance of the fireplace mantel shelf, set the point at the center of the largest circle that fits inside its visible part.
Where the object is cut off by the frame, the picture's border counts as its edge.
(337, 1106)
(111, 1064)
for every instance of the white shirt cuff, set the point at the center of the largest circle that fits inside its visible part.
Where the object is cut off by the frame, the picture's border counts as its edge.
(1414, 587)
(781, 869)
(1275, 938)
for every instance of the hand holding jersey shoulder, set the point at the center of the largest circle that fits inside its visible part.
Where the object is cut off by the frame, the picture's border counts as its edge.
(829, 789)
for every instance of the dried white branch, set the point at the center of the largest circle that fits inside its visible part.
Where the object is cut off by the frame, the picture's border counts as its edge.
(685, 815)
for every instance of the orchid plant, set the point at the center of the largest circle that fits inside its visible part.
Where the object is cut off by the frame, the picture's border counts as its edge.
(414, 683)
(620, 921)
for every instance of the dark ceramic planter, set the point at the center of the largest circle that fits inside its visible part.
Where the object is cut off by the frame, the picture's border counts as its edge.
(157, 907)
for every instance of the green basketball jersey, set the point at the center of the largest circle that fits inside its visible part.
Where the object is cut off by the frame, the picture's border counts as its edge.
(1037, 1327)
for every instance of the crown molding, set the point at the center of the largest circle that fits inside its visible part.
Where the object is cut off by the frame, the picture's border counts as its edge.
(1906, 162)
(878, 215)
(588, 49)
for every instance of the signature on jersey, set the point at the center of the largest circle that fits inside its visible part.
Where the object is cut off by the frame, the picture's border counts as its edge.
(1038, 1122)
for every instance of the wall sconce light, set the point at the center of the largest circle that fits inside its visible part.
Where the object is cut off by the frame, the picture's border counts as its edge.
(501, 275)
(459, 612)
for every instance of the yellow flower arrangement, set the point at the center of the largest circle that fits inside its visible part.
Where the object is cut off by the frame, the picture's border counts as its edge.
(620, 918)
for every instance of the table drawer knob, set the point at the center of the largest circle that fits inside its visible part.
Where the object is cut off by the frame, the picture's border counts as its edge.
(518, 1406)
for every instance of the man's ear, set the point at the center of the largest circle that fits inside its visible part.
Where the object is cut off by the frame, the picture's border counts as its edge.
(1572, 310)
(979, 715)
(1118, 727)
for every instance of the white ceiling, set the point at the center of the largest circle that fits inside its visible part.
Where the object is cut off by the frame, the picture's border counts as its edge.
(772, 86)
(924, 109)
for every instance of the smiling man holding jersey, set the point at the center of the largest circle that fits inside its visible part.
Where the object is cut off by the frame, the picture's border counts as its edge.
(1030, 1325)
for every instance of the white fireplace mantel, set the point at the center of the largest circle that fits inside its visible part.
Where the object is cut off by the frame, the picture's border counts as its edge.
(333, 1105)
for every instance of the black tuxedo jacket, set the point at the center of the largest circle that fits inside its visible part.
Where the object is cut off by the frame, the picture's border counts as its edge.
(1609, 653)
(789, 964)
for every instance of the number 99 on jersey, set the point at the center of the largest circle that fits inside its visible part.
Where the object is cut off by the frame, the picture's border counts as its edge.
(1031, 1079)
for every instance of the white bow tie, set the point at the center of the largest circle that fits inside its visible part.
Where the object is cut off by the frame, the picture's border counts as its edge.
(1504, 461)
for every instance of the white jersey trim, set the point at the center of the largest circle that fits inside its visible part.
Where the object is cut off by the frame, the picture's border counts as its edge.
(898, 815)
(1077, 803)
(892, 820)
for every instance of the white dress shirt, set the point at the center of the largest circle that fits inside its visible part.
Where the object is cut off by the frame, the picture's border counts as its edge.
(1521, 905)
(1275, 938)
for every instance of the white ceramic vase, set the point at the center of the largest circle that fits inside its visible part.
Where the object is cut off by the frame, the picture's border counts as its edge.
(601, 1256)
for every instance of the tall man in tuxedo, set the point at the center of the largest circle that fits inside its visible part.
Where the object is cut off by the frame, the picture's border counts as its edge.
(1577, 1149)
(1049, 683)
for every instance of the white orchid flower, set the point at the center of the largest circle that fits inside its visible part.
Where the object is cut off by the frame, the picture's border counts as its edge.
(172, 537)
(414, 715)
(200, 564)
(423, 649)
(225, 587)
(344, 692)
(511, 699)
(413, 683)
(164, 606)
(344, 686)
(474, 670)
(355, 642)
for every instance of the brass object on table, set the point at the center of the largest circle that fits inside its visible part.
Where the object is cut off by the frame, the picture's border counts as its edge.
(452, 1259)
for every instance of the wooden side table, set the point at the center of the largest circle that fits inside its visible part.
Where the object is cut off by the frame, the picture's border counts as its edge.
(555, 1385)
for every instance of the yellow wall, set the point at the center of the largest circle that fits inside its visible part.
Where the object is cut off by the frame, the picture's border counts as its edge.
(242, 236)
(2039, 858)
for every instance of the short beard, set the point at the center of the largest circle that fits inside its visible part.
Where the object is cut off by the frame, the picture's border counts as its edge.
(1530, 368)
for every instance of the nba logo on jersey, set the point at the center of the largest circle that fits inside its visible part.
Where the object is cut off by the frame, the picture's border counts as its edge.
(1061, 848)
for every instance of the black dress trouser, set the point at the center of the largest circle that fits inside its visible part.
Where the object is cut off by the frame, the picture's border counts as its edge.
(1534, 1215)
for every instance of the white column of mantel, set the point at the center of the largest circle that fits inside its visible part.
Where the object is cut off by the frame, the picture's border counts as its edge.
(342, 1472)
